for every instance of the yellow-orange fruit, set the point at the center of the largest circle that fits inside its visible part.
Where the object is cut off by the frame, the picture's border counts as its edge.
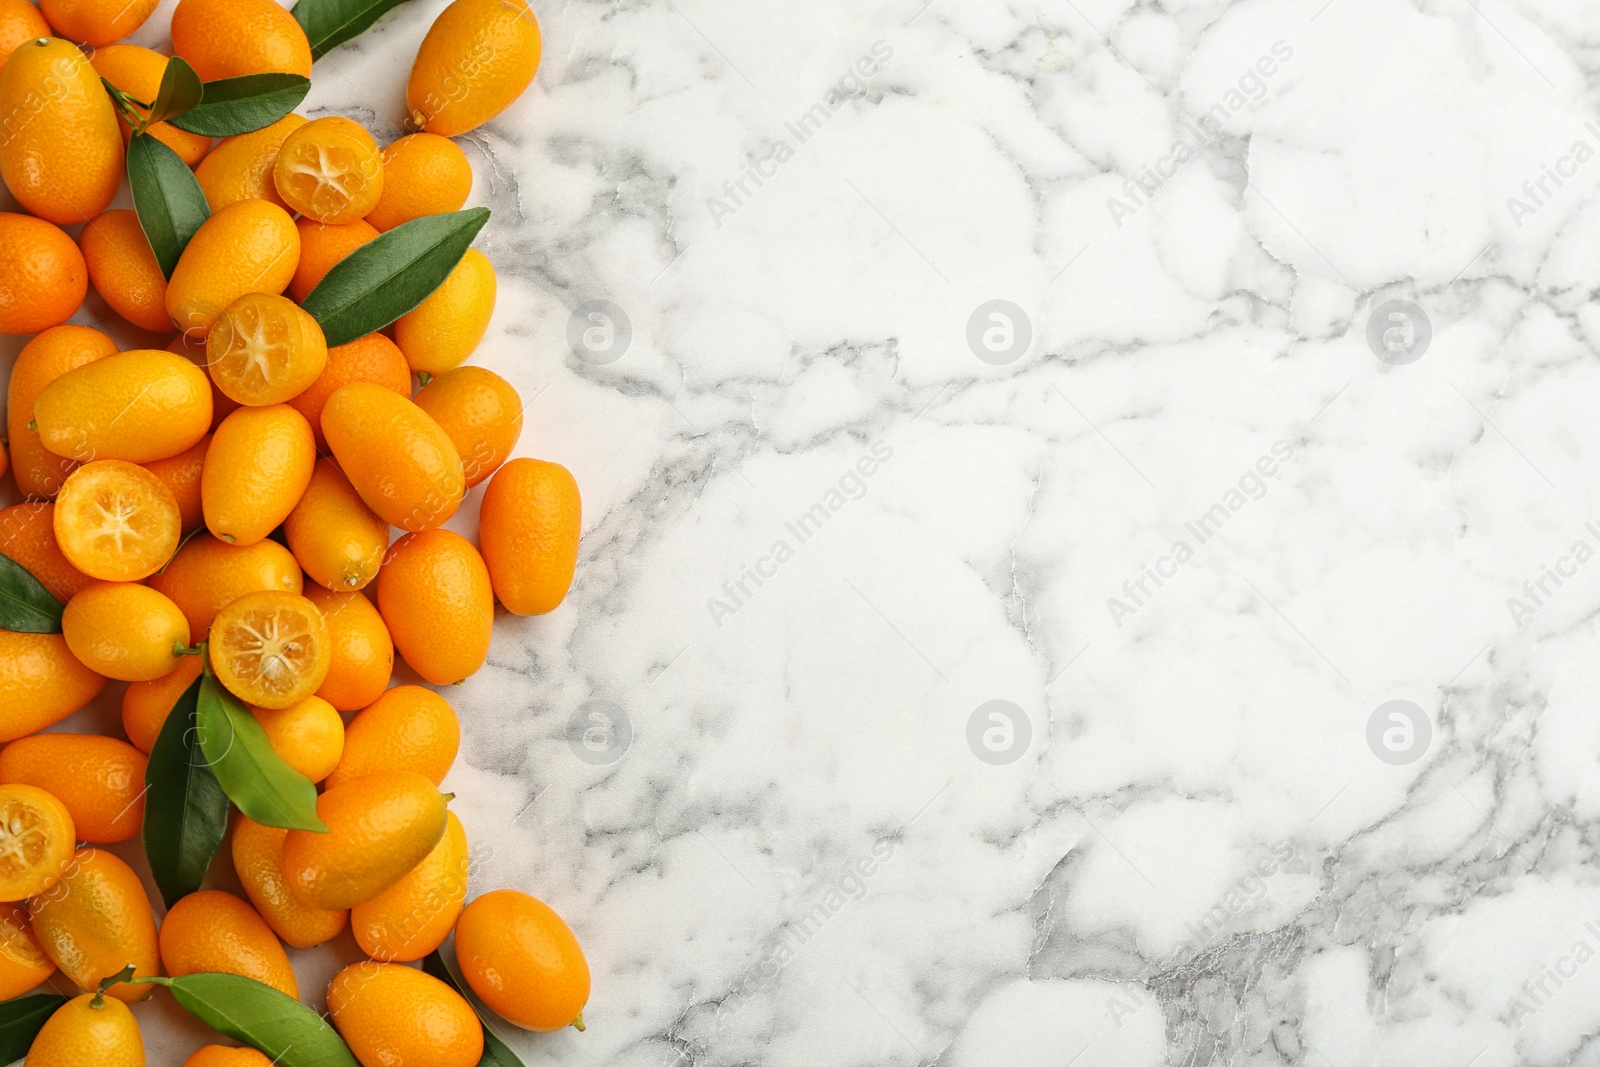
(323, 245)
(95, 921)
(435, 597)
(408, 728)
(61, 148)
(423, 174)
(523, 961)
(478, 57)
(379, 828)
(146, 705)
(334, 535)
(99, 780)
(138, 406)
(40, 472)
(400, 461)
(529, 528)
(116, 521)
(247, 247)
(125, 631)
(240, 167)
(395, 1016)
(37, 848)
(99, 22)
(447, 327)
(257, 468)
(308, 735)
(19, 21)
(481, 412)
(23, 963)
(258, 859)
(181, 475)
(223, 1056)
(330, 170)
(28, 538)
(41, 683)
(264, 349)
(232, 38)
(138, 71)
(43, 278)
(270, 649)
(215, 932)
(124, 270)
(413, 917)
(207, 575)
(89, 1030)
(373, 358)
(363, 652)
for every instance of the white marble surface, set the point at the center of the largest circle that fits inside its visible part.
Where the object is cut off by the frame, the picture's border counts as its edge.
(1197, 857)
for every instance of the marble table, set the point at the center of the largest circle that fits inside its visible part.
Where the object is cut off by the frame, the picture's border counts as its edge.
(1088, 556)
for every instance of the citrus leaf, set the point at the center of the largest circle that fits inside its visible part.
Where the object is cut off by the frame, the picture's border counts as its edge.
(287, 1031)
(21, 1020)
(231, 106)
(330, 23)
(26, 606)
(496, 1053)
(262, 786)
(180, 91)
(391, 274)
(167, 198)
(185, 810)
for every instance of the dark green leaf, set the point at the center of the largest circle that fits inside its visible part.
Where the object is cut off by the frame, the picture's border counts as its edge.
(21, 1020)
(180, 91)
(262, 786)
(388, 276)
(496, 1053)
(330, 23)
(26, 606)
(185, 810)
(290, 1033)
(232, 106)
(166, 196)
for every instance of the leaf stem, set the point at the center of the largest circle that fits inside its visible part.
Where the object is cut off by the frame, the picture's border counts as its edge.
(578, 1023)
(124, 975)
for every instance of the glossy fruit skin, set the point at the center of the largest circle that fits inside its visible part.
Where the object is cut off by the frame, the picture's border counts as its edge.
(207, 575)
(482, 414)
(41, 683)
(408, 728)
(529, 527)
(223, 1056)
(19, 21)
(138, 71)
(123, 270)
(181, 475)
(308, 735)
(270, 649)
(413, 917)
(144, 540)
(395, 1016)
(435, 597)
(330, 170)
(146, 705)
(337, 539)
(522, 960)
(258, 859)
(42, 280)
(40, 472)
(264, 350)
(240, 167)
(217, 932)
(380, 827)
(90, 1031)
(44, 835)
(99, 22)
(478, 57)
(125, 631)
(447, 327)
(423, 174)
(23, 963)
(257, 468)
(232, 38)
(63, 161)
(373, 358)
(321, 246)
(95, 921)
(28, 537)
(400, 461)
(140, 406)
(247, 247)
(363, 652)
(99, 780)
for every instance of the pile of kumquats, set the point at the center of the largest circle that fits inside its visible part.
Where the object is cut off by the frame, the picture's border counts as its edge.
(209, 520)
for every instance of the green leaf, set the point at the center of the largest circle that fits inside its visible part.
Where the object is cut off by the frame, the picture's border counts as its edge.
(496, 1053)
(287, 1031)
(166, 196)
(179, 92)
(185, 810)
(262, 786)
(330, 23)
(26, 606)
(231, 106)
(388, 276)
(21, 1020)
